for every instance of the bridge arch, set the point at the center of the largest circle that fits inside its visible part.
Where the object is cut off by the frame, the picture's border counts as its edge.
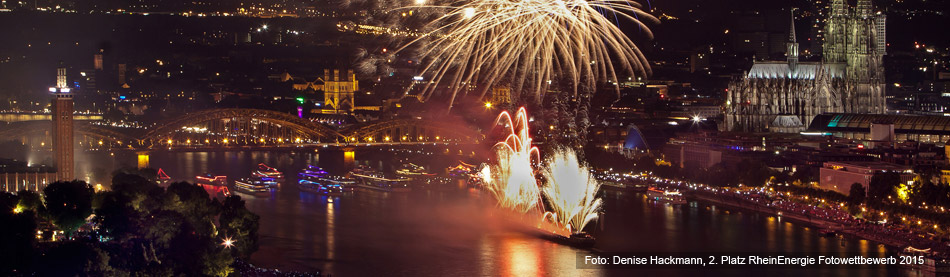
(84, 132)
(411, 130)
(251, 119)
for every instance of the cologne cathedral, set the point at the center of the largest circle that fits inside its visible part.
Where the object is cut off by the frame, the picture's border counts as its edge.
(784, 96)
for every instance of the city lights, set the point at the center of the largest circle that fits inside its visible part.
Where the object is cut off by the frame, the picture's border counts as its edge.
(227, 242)
(377, 138)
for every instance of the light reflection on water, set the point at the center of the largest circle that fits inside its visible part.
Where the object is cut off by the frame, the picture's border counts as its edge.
(450, 231)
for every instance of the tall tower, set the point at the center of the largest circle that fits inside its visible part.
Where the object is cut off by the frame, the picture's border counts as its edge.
(339, 91)
(62, 135)
(833, 47)
(792, 44)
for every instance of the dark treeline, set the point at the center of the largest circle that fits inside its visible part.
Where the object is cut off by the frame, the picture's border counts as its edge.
(136, 229)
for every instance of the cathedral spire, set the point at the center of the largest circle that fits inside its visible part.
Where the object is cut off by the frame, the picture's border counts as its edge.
(791, 31)
(792, 51)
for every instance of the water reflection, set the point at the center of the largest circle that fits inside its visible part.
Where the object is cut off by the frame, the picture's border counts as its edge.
(519, 258)
(450, 232)
(331, 230)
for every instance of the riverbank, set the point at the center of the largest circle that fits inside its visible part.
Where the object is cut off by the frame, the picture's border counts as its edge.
(738, 202)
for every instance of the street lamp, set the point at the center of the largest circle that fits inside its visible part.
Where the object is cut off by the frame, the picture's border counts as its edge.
(227, 243)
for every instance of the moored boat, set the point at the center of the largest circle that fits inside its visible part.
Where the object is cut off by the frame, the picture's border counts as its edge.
(256, 185)
(211, 179)
(419, 176)
(672, 197)
(162, 178)
(827, 232)
(375, 180)
(315, 179)
(215, 185)
(266, 171)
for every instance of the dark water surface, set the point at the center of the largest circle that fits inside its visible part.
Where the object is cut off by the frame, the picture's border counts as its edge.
(454, 231)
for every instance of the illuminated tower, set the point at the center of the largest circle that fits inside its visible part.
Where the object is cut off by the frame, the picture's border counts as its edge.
(339, 91)
(855, 38)
(62, 135)
(792, 45)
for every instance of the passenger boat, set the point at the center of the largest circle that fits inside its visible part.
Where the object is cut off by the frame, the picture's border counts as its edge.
(418, 175)
(256, 185)
(266, 171)
(672, 197)
(162, 178)
(581, 240)
(924, 261)
(315, 179)
(461, 171)
(211, 179)
(827, 232)
(375, 180)
(410, 170)
(215, 185)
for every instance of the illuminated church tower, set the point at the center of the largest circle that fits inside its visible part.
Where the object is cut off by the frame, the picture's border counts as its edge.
(339, 91)
(785, 96)
(856, 38)
(62, 135)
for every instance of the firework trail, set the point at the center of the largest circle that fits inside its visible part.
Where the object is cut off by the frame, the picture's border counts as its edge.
(570, 191)
(528, 44)
(511, 179)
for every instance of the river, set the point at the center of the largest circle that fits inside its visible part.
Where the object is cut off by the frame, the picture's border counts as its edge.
(453, 231)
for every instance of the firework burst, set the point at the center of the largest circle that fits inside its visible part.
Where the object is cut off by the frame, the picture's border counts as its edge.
(570, 191)
(511, 179)
(528, 44)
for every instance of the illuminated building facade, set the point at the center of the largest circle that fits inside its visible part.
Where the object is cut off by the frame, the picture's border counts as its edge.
(785, 96)
(500, 95)
(339, 91)
(839, 176)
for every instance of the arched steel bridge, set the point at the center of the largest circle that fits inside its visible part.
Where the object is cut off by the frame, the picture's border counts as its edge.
(246, 126)
(404, 130)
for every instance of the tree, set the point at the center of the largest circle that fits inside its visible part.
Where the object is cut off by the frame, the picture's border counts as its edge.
(805, 175)
(925, 192)
(17, 236)
(69, 204)
(75, 258)
(193, 202)
(753, 173)
(32, 201)
(882, 185)
(857, 194)
(240, 225)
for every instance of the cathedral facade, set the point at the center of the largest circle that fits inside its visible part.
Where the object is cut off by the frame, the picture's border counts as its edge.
(784, 96)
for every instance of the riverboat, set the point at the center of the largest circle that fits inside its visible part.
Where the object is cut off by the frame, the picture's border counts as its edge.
(266, 171)
(672, 197)
(258, 186)
(315, 179)
(375, 180)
